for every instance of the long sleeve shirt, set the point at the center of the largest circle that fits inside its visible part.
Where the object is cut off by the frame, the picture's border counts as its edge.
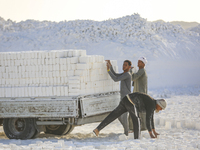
(145, 103)
(125, 78)
(140, 81)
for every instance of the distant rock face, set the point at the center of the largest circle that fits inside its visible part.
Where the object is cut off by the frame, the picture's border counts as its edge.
(185, 25)
(196, 29)
(131, 34)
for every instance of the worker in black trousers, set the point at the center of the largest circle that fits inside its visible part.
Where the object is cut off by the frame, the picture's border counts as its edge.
(135, 103)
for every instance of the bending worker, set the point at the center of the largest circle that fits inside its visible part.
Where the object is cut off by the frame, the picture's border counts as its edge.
(135, 103)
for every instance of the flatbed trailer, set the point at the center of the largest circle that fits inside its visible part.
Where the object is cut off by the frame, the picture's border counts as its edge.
(25, 118)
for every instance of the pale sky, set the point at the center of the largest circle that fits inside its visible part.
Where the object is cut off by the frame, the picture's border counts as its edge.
(60, 10)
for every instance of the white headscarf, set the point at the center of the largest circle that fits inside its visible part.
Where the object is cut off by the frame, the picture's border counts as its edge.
(143, 59)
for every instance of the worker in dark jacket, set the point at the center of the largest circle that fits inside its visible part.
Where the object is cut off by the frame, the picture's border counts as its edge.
(135, 103)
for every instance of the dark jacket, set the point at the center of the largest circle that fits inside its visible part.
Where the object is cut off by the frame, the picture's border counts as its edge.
(145, 103)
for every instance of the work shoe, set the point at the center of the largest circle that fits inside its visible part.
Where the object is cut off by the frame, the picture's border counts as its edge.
(96, 132)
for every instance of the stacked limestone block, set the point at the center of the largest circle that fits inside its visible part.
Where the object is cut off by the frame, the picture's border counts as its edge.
(54, 73)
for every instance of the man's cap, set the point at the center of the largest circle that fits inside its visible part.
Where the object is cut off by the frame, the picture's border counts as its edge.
(143, 59)
(162, 103)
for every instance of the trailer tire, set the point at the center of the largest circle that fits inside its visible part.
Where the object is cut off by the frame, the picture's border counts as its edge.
(36, 134)
(19, 128)
(57, 129)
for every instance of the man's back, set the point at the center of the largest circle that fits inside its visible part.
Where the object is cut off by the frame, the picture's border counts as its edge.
(140, 81)
(142, 101)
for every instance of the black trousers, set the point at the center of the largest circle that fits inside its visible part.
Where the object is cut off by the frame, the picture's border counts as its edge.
(124, 106)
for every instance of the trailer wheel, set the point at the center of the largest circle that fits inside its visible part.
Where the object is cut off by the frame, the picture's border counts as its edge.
(57, 129)
(19, 128)
(36, 134)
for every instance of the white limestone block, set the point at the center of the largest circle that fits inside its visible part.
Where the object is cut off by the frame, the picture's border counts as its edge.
(55, 81)
(50, 67)
(26, 92)
(7, 69)
(58, 81)
(178, 125)
(48, 81)
(77, 91)
(57, 73)
(16, 82)
(97, 90)
(82, 79)
(44, 92)
(22, 92)
(63, 61)
(83, 92)
(18, 56)
(63, 73)
(70, 53)
(168, 125)
(74, 85)
(57, 61)
(82, 66)
(71, 73)
(162, 121)
(74, 60)
(62, 91)
(7, 56)
(52, 54)
(2, 92)
(101, 59)
(8, 92)
(82, 52)
(66, 90)
(56, 67)
(66, 80)
(96, 84)
(12, 62)
(50, 90)
(43, 55)
(76, 53)
(74, 82)
(92, 59)
(68, 61)
(84, 59)
(73, 94)
(79, 72)
(74, 78)
(1, 56)
(65, 53)
(89, 85)
(82, 86)
(58, 90)
(54, 91)
(94, 72)
(3, 81)
(62, 81)
(51, 81)
(197, 126)
(96, 66)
